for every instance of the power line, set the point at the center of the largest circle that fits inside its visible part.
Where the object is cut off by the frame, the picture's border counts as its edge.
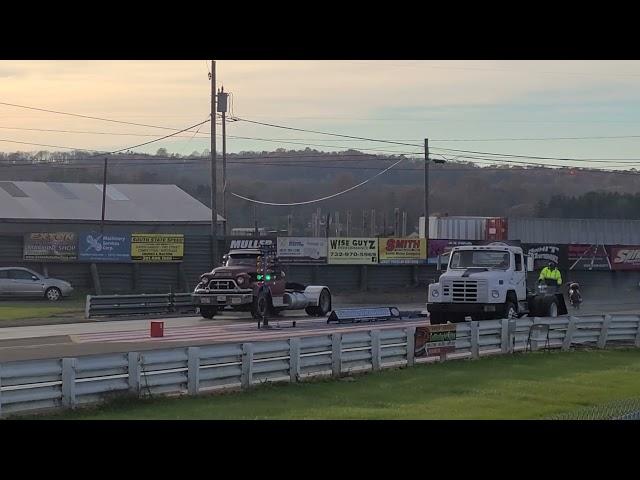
(307, 202)
(325, 133)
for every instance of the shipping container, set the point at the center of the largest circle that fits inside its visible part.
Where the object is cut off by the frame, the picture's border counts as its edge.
(458, 228)
(496, 229)
(578, 231)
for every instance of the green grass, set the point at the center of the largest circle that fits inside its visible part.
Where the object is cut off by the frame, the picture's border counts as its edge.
(531, 386)
(36, 308)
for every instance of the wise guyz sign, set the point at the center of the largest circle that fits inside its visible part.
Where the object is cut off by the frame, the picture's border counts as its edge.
(353, 251)
(625, 258)
(403, 251)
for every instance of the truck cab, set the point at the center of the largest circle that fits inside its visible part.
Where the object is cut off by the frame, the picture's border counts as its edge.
(487, 282)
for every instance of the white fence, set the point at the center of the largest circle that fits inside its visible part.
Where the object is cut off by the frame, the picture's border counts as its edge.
(69, 382)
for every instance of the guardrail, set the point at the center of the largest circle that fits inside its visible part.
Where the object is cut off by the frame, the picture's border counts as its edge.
(113, 305)
(69, 382)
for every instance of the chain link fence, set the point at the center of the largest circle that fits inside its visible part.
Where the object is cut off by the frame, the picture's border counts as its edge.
(627, 409)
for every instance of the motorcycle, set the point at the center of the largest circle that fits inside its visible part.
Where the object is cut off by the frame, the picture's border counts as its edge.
(575, 297)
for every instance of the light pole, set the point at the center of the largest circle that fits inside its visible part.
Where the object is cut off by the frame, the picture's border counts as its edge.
(214, 190)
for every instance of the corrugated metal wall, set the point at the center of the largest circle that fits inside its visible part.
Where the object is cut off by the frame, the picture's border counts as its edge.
(116, 277)
(197, 257)
(459, 228)
(158, 277)
(381, 276)
(339, 277)
(581, 231)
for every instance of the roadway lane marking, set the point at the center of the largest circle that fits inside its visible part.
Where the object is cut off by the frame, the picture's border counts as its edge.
(220, 334)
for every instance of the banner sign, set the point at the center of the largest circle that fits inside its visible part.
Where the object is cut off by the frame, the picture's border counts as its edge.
(441, 247)
(403, 251)
(625, 258)
(435, 340)
(248, 243)
(353, 251)
(543, 253)
(306, 250)
(157, 247)
(588, 257)
(108, 247)
(50, 246)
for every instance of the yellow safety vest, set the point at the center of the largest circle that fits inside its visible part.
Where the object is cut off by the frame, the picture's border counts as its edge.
(548, 274)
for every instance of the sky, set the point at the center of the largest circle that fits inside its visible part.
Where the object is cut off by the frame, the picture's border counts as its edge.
(467, 105)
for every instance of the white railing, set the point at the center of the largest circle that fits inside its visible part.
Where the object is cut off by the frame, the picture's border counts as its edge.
(28, 386)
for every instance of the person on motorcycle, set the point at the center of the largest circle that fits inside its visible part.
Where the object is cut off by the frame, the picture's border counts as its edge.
(574, 295)
(551, 273)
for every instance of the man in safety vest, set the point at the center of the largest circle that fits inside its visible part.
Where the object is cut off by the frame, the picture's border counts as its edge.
(550, 272)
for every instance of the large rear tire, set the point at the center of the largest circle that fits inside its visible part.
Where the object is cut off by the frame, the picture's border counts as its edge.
(551, 307)
(323, 307)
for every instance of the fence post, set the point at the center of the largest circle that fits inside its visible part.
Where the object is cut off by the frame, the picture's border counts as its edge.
(193, 370)
(336, 354)
(247, 365)
(504, 336)
(69, 382)
(294, 359)
(375, 349)
(411, 346)
(571, 328)
(0, 391)
(134, 372)
(638, 334)
(602, 340)
(87, 307)
(475, 337)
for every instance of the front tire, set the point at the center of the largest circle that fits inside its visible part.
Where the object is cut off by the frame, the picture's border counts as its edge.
(261, 305)
(510, 310)
(53, 294)
(208, 312)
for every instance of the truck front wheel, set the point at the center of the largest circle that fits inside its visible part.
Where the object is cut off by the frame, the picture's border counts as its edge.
(208, 312)
(261, 304)
(510, 310)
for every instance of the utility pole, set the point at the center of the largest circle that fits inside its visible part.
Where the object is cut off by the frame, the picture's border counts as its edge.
(104, 196)
(364, 223)
(404, 223)
(426, 188)
(373, 222)
(214, 189)
(396, 222)
(222, 107)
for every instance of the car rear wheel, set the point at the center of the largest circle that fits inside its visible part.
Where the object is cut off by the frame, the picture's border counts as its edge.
(53, 294)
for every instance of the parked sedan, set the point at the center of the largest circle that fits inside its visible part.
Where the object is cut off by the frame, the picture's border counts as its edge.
(22, 282)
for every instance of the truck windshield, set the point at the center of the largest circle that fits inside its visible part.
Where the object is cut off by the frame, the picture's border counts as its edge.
(241, 259)
(491, 259)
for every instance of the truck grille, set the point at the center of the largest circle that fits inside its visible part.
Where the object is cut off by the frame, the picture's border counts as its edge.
(222, 285)
(466, 290)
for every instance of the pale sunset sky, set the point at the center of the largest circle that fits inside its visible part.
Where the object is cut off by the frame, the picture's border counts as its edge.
(446, 101)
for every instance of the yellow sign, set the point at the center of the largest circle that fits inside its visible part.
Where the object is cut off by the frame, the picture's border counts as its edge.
(353, 251)
(403, 251)
(157, 247)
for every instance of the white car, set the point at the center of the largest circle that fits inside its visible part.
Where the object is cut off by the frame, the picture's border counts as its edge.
(22, 282)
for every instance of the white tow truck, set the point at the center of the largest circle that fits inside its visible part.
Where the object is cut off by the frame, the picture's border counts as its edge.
(488, 282)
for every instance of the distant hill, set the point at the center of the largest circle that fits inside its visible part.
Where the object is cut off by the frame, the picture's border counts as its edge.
(285, 176)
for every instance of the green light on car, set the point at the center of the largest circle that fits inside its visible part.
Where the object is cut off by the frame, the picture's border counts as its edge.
(259, 277)
(268, 277)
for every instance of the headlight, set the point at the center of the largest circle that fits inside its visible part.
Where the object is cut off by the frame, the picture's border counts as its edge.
(495, 293)
(435, 293)
(240, 280)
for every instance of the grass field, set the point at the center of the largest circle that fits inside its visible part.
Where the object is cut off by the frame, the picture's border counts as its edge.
(531, 386)
(37, 308)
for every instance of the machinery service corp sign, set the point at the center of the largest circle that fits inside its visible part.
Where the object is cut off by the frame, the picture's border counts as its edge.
(157, 247)
(353, 251)
(50, 246)
(403, 251)
(307, 250)
(625, 258)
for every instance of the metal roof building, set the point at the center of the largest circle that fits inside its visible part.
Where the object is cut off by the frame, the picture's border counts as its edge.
(66, 204)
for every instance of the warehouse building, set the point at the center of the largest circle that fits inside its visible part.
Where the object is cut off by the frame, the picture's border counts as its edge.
(38, 207)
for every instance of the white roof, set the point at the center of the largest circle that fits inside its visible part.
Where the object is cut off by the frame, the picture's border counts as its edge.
(83, 201)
